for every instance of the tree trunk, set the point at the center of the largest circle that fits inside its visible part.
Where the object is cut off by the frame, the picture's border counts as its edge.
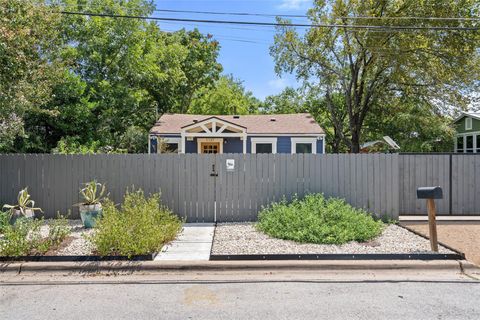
(355, 146)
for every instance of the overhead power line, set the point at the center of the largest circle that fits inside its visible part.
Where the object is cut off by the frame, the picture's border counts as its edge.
(256, 14)
(274, 24)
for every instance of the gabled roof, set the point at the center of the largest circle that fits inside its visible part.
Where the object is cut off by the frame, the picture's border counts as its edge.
(210, 119)
(299, 123)
(475, 115)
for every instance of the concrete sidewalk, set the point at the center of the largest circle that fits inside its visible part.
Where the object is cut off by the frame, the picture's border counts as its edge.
(193, 243)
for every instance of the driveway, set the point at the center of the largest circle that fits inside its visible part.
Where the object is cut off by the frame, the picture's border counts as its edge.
(461, 235)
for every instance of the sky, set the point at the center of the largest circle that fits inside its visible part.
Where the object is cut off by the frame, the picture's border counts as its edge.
(244, 50)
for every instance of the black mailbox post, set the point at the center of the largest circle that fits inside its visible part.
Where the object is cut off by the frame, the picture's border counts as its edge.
(430, 194)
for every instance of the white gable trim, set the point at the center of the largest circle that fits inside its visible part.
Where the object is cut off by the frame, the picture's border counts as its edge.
(214, 121)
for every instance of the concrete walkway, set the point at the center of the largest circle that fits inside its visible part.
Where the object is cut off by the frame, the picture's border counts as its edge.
(193, 243)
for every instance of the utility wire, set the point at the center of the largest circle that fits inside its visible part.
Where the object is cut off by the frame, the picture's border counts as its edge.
(305, 16)
(230, 22)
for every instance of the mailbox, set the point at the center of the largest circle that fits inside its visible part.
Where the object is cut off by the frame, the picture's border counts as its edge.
(430, 193)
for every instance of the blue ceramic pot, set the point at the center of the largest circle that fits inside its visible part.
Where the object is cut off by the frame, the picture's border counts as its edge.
(90, 213)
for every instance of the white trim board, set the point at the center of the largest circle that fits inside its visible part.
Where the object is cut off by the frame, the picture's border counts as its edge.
(313, 141)
(255, 141)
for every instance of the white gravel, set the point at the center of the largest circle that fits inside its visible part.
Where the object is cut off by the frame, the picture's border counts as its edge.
(243, 238)
(79, 245)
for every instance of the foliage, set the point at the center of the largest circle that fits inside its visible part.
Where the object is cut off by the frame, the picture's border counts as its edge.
(28, 64)
(318, 220)
(24, 237)
(228, 96)
(113, 77)
(24, 203)
(367, 67)
(413, 125)
(89, 193)
(141, 226)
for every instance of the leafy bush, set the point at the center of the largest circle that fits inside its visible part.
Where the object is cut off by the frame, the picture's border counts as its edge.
(24, 237)
(318, 220)
(141, 226)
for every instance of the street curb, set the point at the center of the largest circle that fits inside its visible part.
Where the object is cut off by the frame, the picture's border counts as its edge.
(166, 266)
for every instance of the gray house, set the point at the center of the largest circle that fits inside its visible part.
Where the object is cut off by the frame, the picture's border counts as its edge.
(280, 133)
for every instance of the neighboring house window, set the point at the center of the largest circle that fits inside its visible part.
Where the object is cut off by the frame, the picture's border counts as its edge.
(469, 144)
(170, 145)
(459, 144)
(468, 124)
(264, 145)
(478, 143)
(304, 145)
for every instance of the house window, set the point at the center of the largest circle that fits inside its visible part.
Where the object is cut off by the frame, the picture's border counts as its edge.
(303, 148)
(478, 143)
(304, 145)
(210, 147)
(469, 144)
(264, 145)
(468, 123)
(171, 148)
(264, 148)
(460, 144)
(169, 145)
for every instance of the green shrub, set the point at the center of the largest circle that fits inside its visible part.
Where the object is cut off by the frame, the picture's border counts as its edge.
(24, 237)
(318, 220)
(141, 226)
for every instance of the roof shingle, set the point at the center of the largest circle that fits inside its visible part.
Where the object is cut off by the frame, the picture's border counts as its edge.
(299, 123)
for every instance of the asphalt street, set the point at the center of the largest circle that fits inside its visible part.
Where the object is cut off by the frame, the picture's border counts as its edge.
(300, 297)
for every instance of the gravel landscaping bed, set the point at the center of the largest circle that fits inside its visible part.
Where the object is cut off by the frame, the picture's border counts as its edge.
(243, 238)
(75, 244)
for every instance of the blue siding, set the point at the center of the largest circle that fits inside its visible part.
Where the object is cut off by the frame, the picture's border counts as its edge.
(284, 145)
(232, 145)
(320, 146)
(191, 146)
(153, 144)
(235, 145)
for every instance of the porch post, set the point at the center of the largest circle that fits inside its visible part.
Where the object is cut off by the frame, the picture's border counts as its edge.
(182, 143)
(244, 144)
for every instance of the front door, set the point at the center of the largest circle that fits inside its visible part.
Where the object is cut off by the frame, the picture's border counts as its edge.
(210, 147)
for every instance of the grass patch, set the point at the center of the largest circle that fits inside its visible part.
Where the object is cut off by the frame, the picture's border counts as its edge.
(316, 219)
(141, 226)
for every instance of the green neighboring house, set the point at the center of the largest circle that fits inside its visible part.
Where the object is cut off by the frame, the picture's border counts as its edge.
(468, 133)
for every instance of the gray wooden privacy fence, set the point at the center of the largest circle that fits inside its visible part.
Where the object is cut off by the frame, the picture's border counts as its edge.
(201, 188)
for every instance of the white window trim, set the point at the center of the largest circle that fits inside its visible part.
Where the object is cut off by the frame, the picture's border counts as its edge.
(464, 136)
(468, 123)
(313, 141)
(272, 141)
(200, 140)
(170, 140)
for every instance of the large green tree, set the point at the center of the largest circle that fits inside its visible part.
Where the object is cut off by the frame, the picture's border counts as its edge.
(228, 96)
(436, 66)
(28, 64)
(118, 76)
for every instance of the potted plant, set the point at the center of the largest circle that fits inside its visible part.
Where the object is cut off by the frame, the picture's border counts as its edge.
(91, 207)
(24, 207)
